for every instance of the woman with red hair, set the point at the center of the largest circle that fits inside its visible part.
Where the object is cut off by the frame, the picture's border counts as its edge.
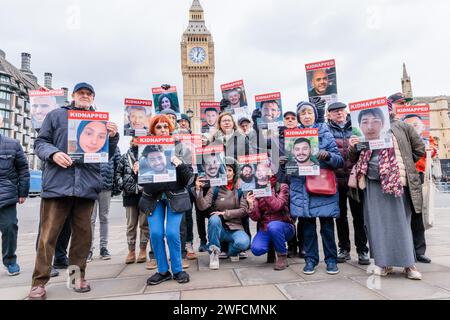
(167, 200)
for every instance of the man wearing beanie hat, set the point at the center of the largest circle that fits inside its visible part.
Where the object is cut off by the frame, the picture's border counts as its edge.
(184, 123)
(69, 189)
(341, 128)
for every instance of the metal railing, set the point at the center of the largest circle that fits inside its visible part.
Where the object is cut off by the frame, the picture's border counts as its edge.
(443, 187)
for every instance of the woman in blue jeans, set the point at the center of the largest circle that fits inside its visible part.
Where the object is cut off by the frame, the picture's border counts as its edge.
(225, 222)
(158, 203)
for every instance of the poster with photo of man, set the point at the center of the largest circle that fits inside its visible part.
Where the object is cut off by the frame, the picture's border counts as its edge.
(88, 136)
(137, 114)
(370, 123)
(234, 92)
(322, 81)
(166, 99)
(211, 165)
(271, 110)
(209, 113)
(255, 173)
(42, 102)
(186, 147)
(417, 116)
(155, 160)
(301, 149)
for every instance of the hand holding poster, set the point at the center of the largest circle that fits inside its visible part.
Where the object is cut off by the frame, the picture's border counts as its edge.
(211, 165)
(209, 114)
(42, 102)
(136, 117)
(255, 173)
(88, 138)
(370, 123)
(155, 160)
(321, 79)
(234, 92)
(166, 99)
(271, 111)
(417, 116)
(301, 148)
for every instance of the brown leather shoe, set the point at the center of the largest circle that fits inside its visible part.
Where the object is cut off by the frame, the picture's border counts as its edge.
(282, 262)
(131, 257)
(185, 263)
(84, 287)
(151, 264)
(37, 293)
(142, 257)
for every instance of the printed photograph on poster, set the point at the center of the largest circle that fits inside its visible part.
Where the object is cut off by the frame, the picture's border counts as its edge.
(155, 160)
(137, 114)
(417, 116)
(186, 146)
(322, 81)
(255, 173)
(166, 99)
(42, 102)
(88, 139)
(209, 113)
(301, 149)
(211, 165)
(271, 110)
(370, 122)
(234, 92)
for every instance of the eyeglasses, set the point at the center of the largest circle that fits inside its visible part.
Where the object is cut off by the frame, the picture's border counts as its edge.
(159, 127)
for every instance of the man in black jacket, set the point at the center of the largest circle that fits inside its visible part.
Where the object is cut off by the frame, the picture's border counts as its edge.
(341, 128)
(68, 189)
(14, 187)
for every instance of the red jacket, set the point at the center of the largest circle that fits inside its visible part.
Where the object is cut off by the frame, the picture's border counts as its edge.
(273, 208)
(420, 165)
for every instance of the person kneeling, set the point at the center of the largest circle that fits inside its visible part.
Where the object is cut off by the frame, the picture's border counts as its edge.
(274, 221)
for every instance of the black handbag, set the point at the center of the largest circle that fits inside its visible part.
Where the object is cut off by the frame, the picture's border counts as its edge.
(147, 204)
(179, 201)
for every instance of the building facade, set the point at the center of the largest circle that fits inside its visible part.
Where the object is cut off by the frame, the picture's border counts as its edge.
(439, 115)
(197, 64)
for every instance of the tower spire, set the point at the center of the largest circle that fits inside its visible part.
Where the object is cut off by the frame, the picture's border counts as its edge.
(196, 6)
(406, 83)
(405, 73)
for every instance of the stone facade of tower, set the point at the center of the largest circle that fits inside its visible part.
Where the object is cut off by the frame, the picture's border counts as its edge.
(197, 64)
(406, 84)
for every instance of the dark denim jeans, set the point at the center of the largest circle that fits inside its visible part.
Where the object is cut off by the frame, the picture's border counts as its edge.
(9, 229)
(328, 242)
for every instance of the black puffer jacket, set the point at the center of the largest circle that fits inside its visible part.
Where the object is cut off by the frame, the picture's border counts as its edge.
(126, 179)
(342, 137)
(14, 173)
(107, 170)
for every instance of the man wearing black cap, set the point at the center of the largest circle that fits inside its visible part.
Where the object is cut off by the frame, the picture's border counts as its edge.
(341, 128)
(69, 189)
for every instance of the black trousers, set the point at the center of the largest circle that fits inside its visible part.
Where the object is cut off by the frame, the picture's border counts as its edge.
(298, 239)
(343, 231)
(418, 232)
(62, 243)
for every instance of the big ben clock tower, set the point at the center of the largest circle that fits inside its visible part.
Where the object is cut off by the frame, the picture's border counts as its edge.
(197, 64)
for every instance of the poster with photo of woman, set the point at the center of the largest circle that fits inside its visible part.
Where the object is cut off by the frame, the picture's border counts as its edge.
(166, 99)
(88, 136)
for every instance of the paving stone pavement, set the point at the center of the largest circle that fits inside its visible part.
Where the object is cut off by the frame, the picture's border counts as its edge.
(248, 279)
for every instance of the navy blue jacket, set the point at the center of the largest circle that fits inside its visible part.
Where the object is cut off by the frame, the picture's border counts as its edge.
(306, 205)
(107, 170)
(14, 172)
(81, 180)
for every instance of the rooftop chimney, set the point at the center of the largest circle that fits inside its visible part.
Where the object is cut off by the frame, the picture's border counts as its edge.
(66, 94)
(48, 80)
(26, 62)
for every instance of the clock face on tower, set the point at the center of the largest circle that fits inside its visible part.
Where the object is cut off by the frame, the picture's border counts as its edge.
(197, 55)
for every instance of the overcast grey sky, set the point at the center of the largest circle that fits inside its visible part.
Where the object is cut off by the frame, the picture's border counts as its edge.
(124, 48)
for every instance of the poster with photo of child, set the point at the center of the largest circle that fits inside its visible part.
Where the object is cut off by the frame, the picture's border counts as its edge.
(155, 160)
(137, 114)
(371, 124)
(88, 139)
(301, 149)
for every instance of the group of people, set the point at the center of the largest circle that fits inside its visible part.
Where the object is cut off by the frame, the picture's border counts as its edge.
(285, 220)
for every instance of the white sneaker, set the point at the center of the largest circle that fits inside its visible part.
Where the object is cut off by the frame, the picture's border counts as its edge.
(413, 274)
(214, 258)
